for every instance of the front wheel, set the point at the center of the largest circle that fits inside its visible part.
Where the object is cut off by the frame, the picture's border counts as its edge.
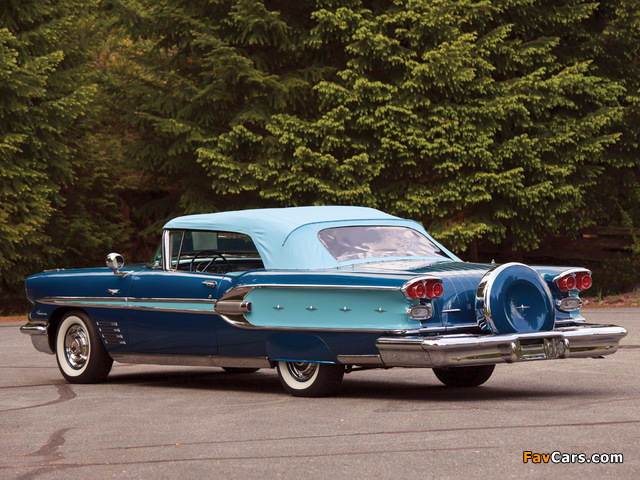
(464, 376)
(303, 379)
(81, 355)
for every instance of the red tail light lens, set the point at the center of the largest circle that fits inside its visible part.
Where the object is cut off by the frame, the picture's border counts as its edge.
(566, 283)
(575, 279)
(424, 289)
(434, 289)
(417, 290)
(583, 281)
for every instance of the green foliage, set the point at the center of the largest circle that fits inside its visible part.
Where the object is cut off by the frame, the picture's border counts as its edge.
(53, 200)
(483, 119)
(612, 39)
(504, 120)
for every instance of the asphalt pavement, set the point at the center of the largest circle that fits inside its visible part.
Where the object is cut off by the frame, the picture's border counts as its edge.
(156, 422)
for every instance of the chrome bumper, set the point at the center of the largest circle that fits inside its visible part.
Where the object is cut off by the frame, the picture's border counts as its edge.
(578, 341)
(38, 330)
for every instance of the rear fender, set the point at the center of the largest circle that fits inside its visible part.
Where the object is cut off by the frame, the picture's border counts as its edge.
(299, 347)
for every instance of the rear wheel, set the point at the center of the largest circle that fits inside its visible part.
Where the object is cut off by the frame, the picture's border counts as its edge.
(464, 376)
(304, 379)
(81, 355)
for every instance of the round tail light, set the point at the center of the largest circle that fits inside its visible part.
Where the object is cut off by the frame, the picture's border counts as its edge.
(434, 289)
(421, 289)
(566, 283)
(583, 281)
(417, 291)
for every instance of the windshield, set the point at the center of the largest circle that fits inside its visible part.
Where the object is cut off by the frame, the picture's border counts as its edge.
(351, 243)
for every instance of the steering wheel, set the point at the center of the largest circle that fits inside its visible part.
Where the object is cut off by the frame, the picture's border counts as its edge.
(214, 255)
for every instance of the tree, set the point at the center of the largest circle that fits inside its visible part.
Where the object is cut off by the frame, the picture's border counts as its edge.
(612, 39)
(49, 213)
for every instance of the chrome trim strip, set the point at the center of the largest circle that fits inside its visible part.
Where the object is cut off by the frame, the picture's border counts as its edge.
(110, 300)
(131, 303)
(105, 302)
(171, 300)
(316, 286)
(192, 360)
(440, 329)
(452, 310)
(240, 321)
(578, 341)
(360, 360)
(461, 326)
(150, 308)
(166, 246)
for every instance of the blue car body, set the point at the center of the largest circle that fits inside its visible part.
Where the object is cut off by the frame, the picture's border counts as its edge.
(316, 290)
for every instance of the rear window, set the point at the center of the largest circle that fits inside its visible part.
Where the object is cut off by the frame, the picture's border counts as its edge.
(352, 243)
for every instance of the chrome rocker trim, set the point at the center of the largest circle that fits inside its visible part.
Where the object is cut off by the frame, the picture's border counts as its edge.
(361, 360)
(577, 341)
(192, 360)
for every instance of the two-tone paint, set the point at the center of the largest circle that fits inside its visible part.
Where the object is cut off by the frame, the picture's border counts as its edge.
(317, 316)
(306, 306)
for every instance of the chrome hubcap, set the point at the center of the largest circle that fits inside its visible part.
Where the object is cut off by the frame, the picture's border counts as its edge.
(76, 346)
(302, 371)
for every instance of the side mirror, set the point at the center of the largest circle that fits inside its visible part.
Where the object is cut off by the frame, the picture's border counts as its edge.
(115, 262)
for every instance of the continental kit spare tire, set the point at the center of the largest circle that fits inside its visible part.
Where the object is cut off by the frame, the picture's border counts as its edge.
(513, 298)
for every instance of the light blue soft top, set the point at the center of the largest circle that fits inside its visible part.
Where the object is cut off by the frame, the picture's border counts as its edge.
(287, 238)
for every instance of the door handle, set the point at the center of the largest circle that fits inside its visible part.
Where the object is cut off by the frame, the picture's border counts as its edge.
(210, 283)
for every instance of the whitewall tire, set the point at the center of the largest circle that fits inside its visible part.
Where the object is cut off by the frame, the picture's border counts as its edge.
(80, 353)
(304, 379)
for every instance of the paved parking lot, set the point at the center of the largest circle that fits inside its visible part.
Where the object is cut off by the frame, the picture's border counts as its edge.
(149, 422)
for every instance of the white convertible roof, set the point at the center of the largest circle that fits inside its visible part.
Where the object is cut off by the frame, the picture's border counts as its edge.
(287, 238)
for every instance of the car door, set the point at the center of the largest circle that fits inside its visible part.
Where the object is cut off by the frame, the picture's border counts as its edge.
(171, 312)
(171, 303)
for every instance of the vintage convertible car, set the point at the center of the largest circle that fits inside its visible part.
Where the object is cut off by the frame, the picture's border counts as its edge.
(315, 292)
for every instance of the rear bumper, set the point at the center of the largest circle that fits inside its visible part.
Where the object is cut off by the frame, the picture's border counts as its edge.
(578, 341)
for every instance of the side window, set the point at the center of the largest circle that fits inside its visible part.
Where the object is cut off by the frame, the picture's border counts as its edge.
(212, 252)
(175, 248)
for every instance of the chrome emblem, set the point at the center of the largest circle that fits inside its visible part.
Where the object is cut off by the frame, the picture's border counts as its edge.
(113, 291)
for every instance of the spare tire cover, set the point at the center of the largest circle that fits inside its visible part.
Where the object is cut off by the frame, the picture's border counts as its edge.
(515, 299)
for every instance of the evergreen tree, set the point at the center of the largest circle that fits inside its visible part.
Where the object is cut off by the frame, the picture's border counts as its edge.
(53, 210)
(484, 119)
(612, 39)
